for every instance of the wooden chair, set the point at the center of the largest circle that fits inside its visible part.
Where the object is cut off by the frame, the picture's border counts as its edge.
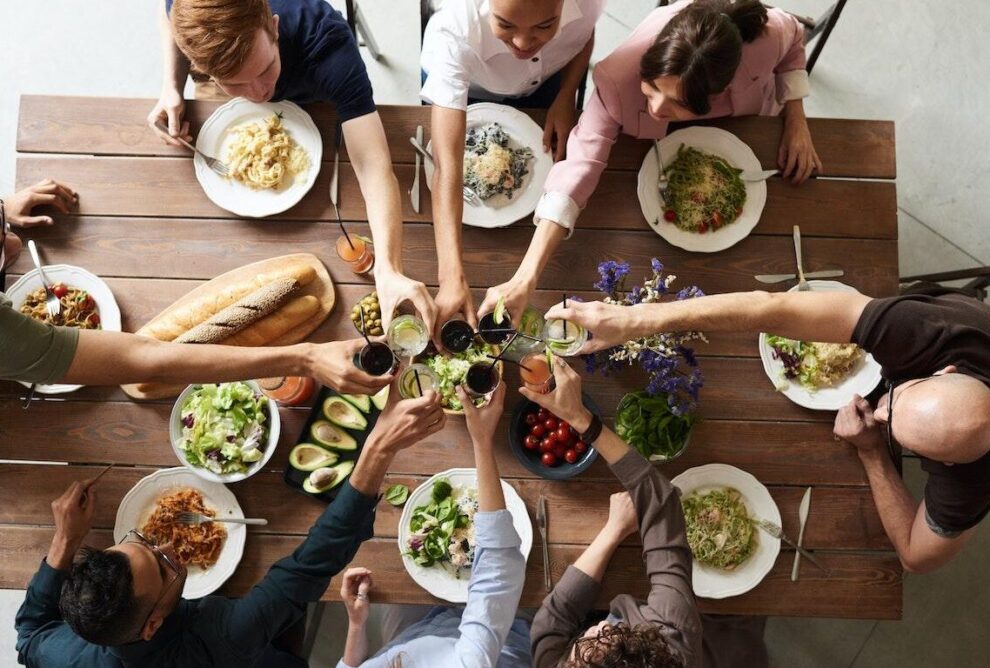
(975, 288)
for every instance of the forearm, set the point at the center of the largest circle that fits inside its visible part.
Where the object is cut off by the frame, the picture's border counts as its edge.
(594, 560)
(544, 244)
(371, 467)
(356, 646)
(175, 65)
(609, 445)
(574, 71)
(895, 505)
(61, 553)
(447, 128)
(116, 358)
(794, 112)
(490, 496)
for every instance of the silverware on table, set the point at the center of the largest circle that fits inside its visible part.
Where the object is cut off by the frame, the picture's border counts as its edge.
(778, 533)
(198, 518)
(95, 480)
(218, 166)
(780, 278)
(52, 303)
(470, 196)
(802, 282)
(334, 183)
(30, 396)
(803, 519)
(541, 522)
(758, 175)
(662, 181)
(414, 192)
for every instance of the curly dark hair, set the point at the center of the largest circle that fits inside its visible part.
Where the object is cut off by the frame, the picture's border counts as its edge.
(98, 601)
(702, 45)
(622, 646)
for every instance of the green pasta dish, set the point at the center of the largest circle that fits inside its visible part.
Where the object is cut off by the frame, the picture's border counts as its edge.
(719, 529)
(704, 192)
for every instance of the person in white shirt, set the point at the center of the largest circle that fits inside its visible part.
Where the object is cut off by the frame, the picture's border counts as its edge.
(523, 53)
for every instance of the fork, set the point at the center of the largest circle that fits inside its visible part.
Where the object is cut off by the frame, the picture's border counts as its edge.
(470, 196)
(52, 303)
(196, 519)
(662, 181)
(778, 533)
(216, 165)
(802, 281)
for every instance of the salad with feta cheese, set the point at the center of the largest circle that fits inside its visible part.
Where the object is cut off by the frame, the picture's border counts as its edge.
(224, 427)
(442, 530)
(451, 369)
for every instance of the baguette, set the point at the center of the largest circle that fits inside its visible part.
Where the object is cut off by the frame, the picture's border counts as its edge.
(242, 313)
(180, 320)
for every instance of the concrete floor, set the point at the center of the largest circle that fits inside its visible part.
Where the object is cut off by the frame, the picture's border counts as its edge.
(882, 61)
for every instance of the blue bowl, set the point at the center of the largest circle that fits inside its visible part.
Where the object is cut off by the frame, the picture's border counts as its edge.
(530, 459)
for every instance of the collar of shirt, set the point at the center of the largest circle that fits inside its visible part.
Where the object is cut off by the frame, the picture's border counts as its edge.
(493, 46)
(173, 625)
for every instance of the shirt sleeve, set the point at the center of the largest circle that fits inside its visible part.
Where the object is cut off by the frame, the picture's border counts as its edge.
(902, 333)
(32, 351)
(280, 599)
(338, 70)
(953, 505)
(447, 82)
(497, 578)
(572, 181)
(791, 77)
(561, 616)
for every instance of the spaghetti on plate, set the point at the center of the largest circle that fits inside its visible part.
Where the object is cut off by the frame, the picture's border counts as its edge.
(262, 154)
(194, 545)
(704, 192)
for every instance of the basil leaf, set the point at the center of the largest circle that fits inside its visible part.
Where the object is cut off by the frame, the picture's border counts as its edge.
(397, 494)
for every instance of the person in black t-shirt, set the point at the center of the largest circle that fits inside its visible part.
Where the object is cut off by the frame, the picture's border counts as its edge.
(935, 354)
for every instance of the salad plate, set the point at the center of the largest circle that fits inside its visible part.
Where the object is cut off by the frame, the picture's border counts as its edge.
(862, 379)
(443, 582)
(711, 582)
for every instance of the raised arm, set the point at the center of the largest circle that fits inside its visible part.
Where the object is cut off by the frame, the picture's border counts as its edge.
(171, 106)
(808, 316)
(367, 147)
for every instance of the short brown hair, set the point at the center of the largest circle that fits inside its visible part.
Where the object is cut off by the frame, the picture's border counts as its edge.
(217, 35)
(622, 646)
(702, 45)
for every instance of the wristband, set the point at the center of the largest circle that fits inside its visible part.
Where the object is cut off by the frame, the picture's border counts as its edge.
(594, 430)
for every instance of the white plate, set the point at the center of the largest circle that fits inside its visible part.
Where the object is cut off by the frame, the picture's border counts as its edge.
(863, 380)
(175, 436)
(140, 501)
(236, 197)
(499, 210)
(75, 277)
(710, 140)
(711, 582)
(435, 579)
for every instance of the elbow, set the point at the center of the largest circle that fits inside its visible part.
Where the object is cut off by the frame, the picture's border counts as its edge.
(917, 566)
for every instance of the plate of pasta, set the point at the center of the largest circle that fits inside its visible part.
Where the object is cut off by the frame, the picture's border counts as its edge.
(707, 206)
(210, 552)
(273, 151)
(504, 164)
(87, 303)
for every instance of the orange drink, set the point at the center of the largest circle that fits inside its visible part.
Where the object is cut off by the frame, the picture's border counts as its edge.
(535, 371)
(356, 252)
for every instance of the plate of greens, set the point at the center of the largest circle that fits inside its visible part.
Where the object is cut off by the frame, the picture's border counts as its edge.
(721, 503)
(451, 369)
(648, 424)
(436, 531)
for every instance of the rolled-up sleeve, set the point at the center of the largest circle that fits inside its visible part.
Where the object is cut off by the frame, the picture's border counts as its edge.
(447, 81)
(791, 78)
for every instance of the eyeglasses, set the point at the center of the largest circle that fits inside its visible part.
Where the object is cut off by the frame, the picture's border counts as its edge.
(135, 536)
(890, 415)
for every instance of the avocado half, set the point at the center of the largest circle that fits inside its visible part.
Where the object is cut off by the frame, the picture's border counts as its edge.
(330, 436)
(341, 470)
(344, 414)
(309, 457)
(361, 401)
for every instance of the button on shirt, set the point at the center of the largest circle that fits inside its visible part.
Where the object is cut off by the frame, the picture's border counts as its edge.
(462, 56)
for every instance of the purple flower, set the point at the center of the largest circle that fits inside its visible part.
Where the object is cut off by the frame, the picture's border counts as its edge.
(613, 276)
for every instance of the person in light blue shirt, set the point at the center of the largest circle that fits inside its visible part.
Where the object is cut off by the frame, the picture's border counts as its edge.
(486, 631)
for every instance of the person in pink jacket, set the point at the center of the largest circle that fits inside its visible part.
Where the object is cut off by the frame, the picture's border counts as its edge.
(686, 61)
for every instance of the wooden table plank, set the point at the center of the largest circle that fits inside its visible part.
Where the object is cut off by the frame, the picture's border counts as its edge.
(97, 126)
(157, 187)
(866, 586)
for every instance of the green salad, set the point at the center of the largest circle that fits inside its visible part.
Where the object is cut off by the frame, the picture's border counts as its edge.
(224, 427)
(442, 530)
(719, 529)
(452, 368)
(647, 423)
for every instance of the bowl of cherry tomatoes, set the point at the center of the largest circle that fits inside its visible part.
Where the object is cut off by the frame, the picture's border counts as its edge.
(547, 445)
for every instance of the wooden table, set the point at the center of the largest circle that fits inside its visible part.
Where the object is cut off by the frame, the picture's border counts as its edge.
(145, 225)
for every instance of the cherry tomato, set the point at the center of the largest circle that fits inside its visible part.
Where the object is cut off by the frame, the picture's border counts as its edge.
(717, 219)
(560, 450)
(550, 423)
(542, 414)
(552, 437)
(670, 216)
(530, 419)
(580, 447)
(546, 445)
(531, 442)
(538, 430)
(571, 456)
(60, 290)
(94, 320)
(562, 424)
(563, 434)
(702, 228)
(549, 459)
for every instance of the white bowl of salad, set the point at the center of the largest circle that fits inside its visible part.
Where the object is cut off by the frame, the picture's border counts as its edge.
(224, 432)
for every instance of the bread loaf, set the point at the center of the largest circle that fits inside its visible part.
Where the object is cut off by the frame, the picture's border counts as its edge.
(279, 323)
(242, 313)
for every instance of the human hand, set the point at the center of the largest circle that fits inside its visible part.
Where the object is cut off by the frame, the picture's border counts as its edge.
(73, 513)
(395, 288)
(622, 519)
(516, 293)
(354, 593)
(796, 156)
(48, 192)
(855, 425)
(565, 400)
(332, 364)
(405, 422)
(454, 299)
(482, 422)
(170, 109)
(609, 324)
(560, 120)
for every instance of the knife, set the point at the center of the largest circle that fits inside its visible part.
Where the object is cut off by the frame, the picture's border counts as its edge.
(541, 521)
(414, 193)
(780, 278)
(334, 193)
(803, 518)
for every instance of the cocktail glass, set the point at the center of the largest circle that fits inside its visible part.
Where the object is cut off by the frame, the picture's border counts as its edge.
(356, 252)
(408, 335)
(412, 388)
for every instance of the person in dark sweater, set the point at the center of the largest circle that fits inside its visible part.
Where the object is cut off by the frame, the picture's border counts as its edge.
(934, 349)
(123, 606)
